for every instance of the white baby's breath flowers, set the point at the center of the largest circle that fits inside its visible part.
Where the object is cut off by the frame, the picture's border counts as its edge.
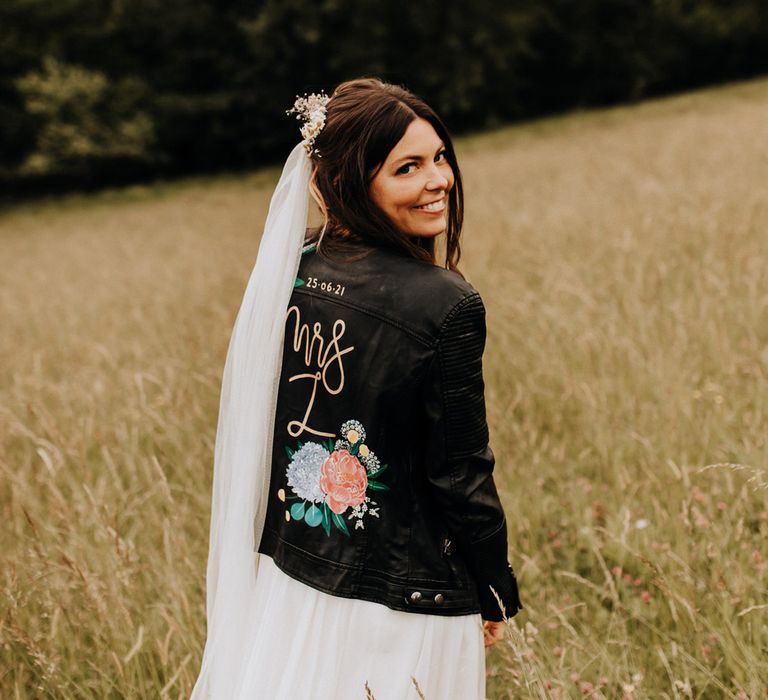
(311, 110)
(341, 444)
(355, 427)
(371, 462)
(359, 511)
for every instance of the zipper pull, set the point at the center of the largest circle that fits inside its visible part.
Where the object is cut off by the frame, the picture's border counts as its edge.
(446, 547)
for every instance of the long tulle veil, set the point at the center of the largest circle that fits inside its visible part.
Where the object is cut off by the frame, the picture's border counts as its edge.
(244, 434)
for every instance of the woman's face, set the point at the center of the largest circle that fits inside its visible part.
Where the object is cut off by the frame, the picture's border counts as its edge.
(415, 173)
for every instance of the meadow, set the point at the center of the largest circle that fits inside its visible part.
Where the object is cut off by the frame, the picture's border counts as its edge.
(622, 255)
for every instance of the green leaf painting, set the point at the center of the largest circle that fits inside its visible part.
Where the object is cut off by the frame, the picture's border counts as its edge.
(314, 516)
(378, 471)
(326, 512)
(339, 522)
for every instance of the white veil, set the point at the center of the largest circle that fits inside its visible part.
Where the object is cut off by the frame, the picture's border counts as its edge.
(242, 458)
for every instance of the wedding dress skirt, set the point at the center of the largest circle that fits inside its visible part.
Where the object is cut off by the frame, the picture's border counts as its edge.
(310, 645)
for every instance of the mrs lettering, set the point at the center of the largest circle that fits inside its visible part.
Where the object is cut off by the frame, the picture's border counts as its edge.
(321, 354)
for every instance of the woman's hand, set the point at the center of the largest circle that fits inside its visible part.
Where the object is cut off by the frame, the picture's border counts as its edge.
(493, 632)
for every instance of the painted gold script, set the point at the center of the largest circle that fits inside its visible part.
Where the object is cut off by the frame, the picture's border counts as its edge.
(324, 354)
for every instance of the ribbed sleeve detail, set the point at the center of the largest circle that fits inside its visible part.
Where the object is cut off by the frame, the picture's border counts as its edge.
(460, 355)
(460, 461)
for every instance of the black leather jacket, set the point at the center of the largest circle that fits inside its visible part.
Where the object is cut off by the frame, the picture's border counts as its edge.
(381, 483)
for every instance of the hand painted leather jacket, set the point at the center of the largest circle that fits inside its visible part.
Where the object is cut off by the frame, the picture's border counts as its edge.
(381, 482)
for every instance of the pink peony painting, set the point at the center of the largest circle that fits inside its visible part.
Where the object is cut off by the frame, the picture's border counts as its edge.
(344, 480)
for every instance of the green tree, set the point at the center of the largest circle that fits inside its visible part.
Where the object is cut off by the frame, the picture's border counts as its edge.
(83, 118)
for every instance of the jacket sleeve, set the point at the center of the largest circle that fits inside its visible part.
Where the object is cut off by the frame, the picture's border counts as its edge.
(460, 461)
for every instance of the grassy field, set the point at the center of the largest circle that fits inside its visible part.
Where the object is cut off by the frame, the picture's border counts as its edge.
(623, 258)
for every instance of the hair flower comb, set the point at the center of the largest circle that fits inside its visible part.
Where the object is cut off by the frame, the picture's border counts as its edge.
(310, 109)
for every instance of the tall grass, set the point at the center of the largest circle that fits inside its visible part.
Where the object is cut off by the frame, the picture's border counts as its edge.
(622, 256)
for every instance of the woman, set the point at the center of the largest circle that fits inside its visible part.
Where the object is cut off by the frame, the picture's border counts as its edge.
(352, 430)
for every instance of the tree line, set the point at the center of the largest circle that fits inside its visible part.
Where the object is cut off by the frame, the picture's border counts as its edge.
(104, 91)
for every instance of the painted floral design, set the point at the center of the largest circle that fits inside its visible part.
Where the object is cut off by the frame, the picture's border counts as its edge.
(344, 480)
(332, 479)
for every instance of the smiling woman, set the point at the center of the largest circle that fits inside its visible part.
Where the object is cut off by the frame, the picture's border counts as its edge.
(412, 185)
(396, 183)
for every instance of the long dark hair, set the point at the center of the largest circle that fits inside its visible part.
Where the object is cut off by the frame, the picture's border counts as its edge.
(365, 119)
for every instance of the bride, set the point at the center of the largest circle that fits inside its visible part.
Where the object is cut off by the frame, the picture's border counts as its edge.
(358, 545)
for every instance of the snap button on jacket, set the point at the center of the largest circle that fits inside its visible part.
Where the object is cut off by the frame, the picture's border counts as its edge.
(382, 476)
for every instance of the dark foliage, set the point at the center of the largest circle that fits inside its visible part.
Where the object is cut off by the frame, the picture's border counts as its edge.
(107, 90)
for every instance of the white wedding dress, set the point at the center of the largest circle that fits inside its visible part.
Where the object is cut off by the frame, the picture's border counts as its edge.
(306, 644)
